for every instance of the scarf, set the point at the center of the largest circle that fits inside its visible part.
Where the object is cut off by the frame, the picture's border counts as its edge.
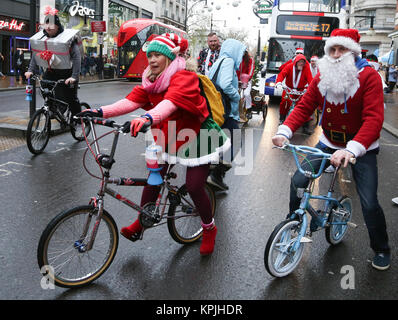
(163, 81)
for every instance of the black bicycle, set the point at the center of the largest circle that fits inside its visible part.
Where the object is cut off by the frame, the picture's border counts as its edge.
(39, 126)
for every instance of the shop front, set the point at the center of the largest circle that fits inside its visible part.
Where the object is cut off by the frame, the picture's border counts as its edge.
(72, 14)
(14, 44)
(118, 13)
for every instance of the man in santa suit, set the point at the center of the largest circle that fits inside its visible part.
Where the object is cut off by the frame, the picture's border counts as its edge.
(313, 66)
(351, 94)
(297, 75)
(298, 51)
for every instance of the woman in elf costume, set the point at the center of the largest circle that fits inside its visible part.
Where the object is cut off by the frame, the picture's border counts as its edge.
(171, 96)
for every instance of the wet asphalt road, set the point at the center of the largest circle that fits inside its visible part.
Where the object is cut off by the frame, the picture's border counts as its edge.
(35, 189)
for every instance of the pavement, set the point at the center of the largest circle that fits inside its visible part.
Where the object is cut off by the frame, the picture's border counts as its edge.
(14, 125)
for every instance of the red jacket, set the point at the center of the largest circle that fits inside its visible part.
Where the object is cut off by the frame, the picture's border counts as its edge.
(363, 120)
(246, 68)
(184, 92)
(287, 73)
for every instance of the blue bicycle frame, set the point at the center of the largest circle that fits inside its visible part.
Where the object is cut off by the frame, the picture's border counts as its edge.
(307, 195)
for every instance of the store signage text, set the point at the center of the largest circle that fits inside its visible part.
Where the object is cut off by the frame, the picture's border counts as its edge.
(13, 25)
(82, 11)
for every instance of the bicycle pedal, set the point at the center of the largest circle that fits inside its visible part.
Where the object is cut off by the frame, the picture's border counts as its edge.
(352, 225)
(305, 240)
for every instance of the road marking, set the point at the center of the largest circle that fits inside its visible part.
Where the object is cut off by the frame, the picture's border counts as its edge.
(5, 172)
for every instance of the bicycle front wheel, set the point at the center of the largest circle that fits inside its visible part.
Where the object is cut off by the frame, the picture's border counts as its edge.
(280, 258)
(183, 219)
(38, 131)
(63, 252)
(78, 130)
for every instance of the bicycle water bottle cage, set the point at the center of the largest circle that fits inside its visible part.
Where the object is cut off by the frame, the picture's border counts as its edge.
(104, 161)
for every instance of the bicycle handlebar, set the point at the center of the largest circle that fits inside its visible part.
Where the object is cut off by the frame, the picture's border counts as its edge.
(291, 91)
(125, 128)
(300, 149)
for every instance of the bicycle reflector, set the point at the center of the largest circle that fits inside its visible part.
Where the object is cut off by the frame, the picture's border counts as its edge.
(151, 158)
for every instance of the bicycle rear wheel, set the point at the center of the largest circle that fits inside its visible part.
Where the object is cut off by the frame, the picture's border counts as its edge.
(335, 232)
(77, 130)
(186, 229)
(279, 257)
(38, 131)
(62, 247)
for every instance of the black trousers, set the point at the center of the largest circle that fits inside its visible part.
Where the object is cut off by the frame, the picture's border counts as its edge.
(64, 92)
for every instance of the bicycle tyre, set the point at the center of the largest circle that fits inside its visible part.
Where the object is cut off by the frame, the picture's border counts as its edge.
(279, 232)
(335, 233)
(71, 253)
(38, 131)
(187, 229)
(76, 130)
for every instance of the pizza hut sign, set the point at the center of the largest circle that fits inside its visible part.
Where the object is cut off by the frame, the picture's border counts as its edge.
(80, 10)
(11, 24)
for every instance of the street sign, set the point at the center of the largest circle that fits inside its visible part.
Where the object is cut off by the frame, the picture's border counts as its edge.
(98, 26)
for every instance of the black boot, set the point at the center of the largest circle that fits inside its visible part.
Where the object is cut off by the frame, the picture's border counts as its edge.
(216, 177)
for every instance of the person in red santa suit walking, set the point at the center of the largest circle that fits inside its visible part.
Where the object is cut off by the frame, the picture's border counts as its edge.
(351, 94)
(297, 75)
(245, 75)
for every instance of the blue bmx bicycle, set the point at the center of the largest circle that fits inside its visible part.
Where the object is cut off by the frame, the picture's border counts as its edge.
(285, 245)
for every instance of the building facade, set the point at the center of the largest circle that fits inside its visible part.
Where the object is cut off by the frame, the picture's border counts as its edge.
(172, 12)
(381, 13)
(15, 31)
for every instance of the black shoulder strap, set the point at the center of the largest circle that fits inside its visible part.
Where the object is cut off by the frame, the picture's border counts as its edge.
(215, 75)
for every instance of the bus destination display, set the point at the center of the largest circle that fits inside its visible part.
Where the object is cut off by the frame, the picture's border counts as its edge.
(306, 25)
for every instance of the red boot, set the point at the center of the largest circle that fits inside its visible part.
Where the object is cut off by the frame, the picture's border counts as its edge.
(208, 240)
(132, 232)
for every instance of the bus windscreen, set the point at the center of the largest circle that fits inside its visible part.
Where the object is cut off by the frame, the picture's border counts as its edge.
(281, 50)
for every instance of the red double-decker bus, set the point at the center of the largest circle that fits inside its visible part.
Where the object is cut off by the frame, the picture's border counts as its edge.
(132, 40)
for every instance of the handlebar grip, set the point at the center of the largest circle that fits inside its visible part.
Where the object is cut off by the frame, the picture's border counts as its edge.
(145, 127)
(104, 122)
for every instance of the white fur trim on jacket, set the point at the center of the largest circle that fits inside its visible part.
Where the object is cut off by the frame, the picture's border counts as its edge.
(285, 131)
(343, 41)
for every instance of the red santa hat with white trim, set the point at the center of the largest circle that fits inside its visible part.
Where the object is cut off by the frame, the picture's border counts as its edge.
(348, 38)
(299, 50)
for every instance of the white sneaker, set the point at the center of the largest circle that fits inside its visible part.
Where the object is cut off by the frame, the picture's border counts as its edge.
(395, 200)
(330, 169)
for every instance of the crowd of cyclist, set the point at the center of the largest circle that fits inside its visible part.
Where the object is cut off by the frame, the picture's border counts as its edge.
(342, 84)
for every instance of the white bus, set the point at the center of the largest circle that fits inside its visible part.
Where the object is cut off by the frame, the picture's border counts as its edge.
(299, 24)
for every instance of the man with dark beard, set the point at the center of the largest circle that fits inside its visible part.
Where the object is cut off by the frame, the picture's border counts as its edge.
(351, 94)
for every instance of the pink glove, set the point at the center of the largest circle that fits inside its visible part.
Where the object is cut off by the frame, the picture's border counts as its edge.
(137, 124)
(244, 77)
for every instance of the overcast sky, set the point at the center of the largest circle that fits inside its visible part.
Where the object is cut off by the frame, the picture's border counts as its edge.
(238, 17)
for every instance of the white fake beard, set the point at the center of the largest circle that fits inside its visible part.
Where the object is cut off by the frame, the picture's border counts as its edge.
(338, 77)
